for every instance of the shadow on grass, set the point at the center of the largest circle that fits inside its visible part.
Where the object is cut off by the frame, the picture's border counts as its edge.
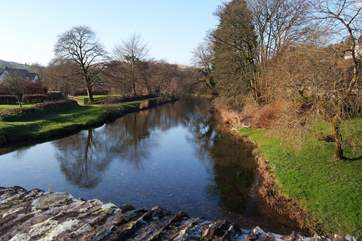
(48, 115)
(359, 158)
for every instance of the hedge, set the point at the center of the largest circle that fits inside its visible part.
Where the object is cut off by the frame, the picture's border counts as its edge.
(42, 108)
(55, 96)
(118, 99)
(32, 99)
(8, 99)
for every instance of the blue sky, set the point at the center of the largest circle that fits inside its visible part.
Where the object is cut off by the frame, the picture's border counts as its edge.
(171, 28)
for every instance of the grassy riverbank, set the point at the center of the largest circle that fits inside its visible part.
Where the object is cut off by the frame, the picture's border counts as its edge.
(4, 108)
(330, 190)
(66, 121)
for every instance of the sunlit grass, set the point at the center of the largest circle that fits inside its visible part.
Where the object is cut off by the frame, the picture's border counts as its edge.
(13, 106)
(97, 98)
(43, 126)
(331, 190)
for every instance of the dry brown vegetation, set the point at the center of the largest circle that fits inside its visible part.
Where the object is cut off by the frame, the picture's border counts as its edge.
(284, 64)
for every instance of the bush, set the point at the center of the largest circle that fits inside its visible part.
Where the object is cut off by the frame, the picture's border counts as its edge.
(55, 96)
(34, 88)
(57, 105)
(39, 109)
(8, 99)
(40, 98)
(117, 99)
(95, 92)
(32, 99)
(3, 90)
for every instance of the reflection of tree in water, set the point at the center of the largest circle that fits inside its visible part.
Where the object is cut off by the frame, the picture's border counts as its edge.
(234, 171)
(232, 161)
(83, 157)
(131, 138)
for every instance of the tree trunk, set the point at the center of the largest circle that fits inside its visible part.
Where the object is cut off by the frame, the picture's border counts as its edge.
(88, 145)
(148, 87)
(90, 91)
(338, 137)
(20, 97)
(133, 79)
(134, 88)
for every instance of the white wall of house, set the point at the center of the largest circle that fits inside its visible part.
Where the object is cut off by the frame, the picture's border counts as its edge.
(3, 76)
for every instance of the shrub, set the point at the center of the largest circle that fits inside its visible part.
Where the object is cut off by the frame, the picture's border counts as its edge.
(32, 99)
(8, 99)
(42, 108)
(54, 96)
(57, 105)
(3, 90)
(34, 88)
(95, 92)
(118, 99)
(269, 114)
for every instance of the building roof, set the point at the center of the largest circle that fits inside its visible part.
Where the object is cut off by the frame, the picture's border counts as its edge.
(22, 73)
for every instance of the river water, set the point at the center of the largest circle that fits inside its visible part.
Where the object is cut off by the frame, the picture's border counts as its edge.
(170, 156)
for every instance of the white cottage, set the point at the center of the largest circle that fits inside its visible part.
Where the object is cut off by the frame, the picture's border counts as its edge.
(22, 73)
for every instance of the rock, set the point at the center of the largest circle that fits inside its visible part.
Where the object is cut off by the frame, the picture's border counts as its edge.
(50, 199)
(44, 216)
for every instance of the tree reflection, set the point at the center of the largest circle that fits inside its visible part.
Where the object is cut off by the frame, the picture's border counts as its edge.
(232, 161)
(85, 156)
(234, 171)
(82, 158)
(130, 138)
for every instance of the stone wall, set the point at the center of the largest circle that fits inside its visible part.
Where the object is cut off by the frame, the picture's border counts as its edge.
(37, 215)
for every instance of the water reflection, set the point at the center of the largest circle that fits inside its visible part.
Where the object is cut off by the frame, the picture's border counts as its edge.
(85, 156)
(170, 156)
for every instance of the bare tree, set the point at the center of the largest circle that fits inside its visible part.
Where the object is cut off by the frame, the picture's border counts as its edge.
(345, 18)
(132, 52)
(15, 85)
(203, 57)
(278, 23)
(62, 75)
(79, 44)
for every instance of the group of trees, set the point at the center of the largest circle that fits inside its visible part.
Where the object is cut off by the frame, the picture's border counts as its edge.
(306, 52)
(82, 63)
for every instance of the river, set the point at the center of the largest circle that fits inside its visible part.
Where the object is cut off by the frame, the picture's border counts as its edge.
(170, 156)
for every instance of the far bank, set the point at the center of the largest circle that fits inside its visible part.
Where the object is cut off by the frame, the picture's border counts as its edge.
(57, 119)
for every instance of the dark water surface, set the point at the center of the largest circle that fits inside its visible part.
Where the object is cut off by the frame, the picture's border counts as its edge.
(170, 156)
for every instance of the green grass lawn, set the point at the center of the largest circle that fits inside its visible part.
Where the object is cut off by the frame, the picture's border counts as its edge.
(43, 126)
(9, 107)
(330, 190)
(97, 98)
(53, 123)
(50, 124)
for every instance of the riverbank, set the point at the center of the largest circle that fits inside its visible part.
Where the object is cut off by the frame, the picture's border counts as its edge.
(46, 125)
(299, 176)
(308, 184)
(37, 215)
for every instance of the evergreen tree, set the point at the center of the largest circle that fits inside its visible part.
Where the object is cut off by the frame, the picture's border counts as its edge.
(235, 50)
